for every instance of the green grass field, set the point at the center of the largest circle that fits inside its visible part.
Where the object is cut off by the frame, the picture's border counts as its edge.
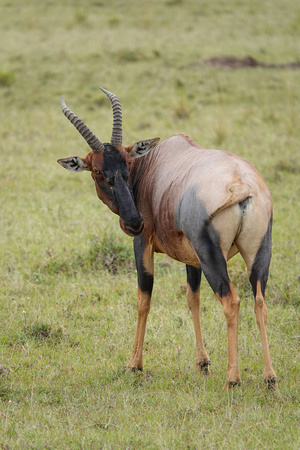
(68, 281)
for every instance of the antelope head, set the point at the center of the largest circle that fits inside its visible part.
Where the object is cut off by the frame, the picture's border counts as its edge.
(109, 166)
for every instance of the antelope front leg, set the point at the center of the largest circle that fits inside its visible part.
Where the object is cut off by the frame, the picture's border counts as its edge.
(143, 306)
(231, 307)
(193, 298)
(144, 264)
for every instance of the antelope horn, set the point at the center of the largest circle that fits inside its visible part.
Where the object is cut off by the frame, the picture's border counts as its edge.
(116, 137)
(80, 126)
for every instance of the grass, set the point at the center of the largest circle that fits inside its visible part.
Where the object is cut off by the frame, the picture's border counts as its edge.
(68, 284)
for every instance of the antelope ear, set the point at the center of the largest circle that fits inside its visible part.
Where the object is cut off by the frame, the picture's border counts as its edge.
(74, 163)
(141, 148)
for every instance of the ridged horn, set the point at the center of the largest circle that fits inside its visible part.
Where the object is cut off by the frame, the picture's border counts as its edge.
(80, 126)
(116, 137)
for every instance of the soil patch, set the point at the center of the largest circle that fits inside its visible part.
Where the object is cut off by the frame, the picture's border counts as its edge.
(231, 62)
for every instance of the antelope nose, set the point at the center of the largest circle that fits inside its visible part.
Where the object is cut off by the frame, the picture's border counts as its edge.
(132, 227)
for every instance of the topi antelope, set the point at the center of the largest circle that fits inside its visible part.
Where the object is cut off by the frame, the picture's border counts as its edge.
(198, 206)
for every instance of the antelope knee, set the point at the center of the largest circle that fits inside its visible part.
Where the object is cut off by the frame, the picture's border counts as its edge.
(260, 308)
(143, 304)
(231, 308)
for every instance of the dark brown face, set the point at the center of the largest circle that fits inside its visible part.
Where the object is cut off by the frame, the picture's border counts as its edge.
(108, 164)
(110, 172)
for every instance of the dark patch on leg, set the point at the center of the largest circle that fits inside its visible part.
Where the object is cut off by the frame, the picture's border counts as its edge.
(192, 218)
(212, 260)
(261, 264)
(145, 279)
(193, 277)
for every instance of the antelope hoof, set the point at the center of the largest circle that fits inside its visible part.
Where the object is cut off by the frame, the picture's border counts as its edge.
(135, 369)
(271, 383)
(204, 367)
(231, 384)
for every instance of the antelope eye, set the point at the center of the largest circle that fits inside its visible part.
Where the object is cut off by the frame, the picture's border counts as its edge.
(96, 171)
